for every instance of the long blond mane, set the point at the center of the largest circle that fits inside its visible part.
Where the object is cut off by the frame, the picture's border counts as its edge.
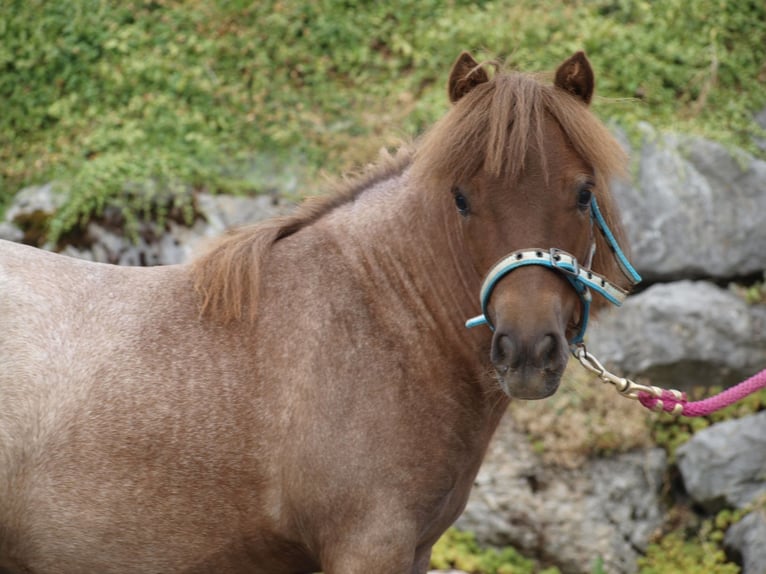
(493, 128)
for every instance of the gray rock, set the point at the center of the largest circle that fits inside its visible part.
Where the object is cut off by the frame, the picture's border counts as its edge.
(760, 119)
(26, 217)
(177, 243)
(746, 538)
(606, 509)
(39, 198)
(683, 334)
(695, 209)
(725, 464)
(225, 211)
(10, 232)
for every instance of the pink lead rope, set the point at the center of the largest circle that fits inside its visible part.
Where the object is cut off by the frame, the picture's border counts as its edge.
(670, 401)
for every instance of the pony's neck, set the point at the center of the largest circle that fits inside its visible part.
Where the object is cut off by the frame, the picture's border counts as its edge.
(403, 238)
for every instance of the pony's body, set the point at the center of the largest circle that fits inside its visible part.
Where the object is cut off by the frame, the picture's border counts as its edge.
(330, 416)
(119, 434)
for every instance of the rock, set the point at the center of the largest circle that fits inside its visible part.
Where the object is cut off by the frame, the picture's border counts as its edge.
(107, 245)
(695, 209)
(27, 216)
(605, 509)
(10, 232)
(746, 539)
(38, 198)
(681, 335)
(104, 240)
(222, 212)
(177, 243)
(760, 119)
(725, 464)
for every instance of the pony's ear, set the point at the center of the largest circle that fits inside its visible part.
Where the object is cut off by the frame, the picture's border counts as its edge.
(466, 74)
(576, 77)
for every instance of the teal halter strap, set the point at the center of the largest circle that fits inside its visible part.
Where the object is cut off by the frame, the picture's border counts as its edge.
(582, 279)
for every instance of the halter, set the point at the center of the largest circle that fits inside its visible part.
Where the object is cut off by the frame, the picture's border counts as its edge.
(582, 279)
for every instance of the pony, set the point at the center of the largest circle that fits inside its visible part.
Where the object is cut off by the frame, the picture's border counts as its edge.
(304, 395)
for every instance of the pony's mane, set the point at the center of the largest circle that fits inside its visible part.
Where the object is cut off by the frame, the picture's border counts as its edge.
(499, 119)
(227, 275)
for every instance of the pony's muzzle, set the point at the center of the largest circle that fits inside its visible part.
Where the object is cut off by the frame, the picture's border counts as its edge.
(529, 366)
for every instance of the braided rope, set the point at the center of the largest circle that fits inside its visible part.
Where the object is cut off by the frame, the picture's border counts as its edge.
(671, 403)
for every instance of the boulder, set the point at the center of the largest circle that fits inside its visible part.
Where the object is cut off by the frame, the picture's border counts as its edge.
(694, 209)
(682, 335)
(10, 232)
(760, 119)
(725, 464)
(26, 217)
(605, 509)
(104, 240)
(746, 539)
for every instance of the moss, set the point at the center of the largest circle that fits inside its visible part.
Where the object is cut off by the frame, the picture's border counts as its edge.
(674, 554)
(456, 549)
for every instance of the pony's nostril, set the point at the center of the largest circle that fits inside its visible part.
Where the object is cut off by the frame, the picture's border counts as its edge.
(546, 350)
(505, 353)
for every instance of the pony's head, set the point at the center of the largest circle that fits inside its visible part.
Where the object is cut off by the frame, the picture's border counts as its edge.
(524, 163)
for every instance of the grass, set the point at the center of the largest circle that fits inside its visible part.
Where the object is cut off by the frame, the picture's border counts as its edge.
(137, 104)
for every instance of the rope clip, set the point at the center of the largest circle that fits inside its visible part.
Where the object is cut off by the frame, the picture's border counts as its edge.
(625, 387)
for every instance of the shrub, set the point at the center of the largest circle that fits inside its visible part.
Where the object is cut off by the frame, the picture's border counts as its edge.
(115, 100)
(460, 550)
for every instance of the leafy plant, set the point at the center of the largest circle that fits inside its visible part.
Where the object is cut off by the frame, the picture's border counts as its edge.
(753, 294)
(675, 553)
(460, 550)
(119, 100)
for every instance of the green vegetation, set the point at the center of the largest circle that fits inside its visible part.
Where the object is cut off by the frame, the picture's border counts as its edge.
(460, 550)
(695, 545)
(753, 294)
(675, 553)
(136, 104)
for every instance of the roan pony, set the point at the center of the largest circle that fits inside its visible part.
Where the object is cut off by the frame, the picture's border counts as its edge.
(305, 394)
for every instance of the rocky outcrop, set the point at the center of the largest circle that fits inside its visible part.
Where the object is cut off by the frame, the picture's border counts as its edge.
(725, 466)
(104, 240)
(745, 539)
(694, 209)
(569, 517)
(682, 335)
(215, 214)
(693, 213)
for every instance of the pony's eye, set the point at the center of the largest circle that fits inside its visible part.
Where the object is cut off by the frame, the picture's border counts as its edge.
(460, 201)
(584, 197)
